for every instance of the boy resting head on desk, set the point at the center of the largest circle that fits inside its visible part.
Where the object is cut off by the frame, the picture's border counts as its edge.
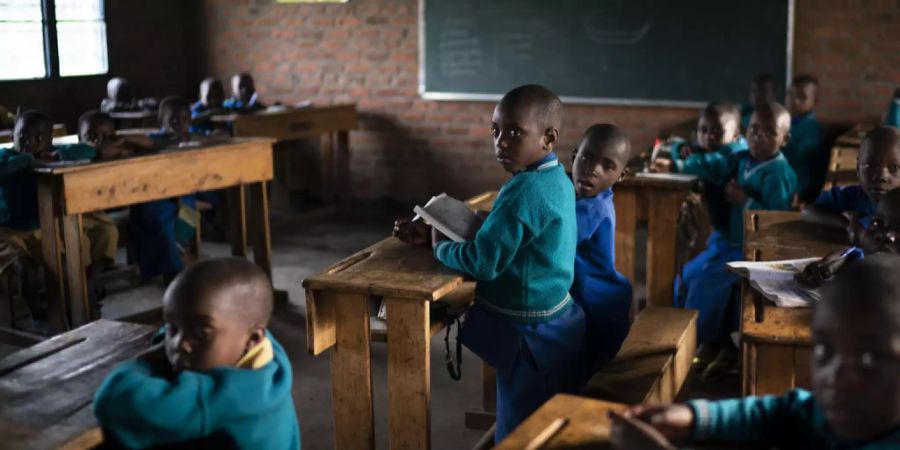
(605, 295)
(220, 380)
(524, 322)
(855, 399)
(878, 170)
(98, 130)
(757, 179)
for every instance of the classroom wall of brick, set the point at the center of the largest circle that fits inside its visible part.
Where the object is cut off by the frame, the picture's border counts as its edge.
(366, 51)
(147, 42)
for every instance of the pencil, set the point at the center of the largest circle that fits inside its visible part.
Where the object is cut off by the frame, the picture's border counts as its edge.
(547, 433)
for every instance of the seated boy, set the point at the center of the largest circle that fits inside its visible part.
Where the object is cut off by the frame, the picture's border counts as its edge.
(759, 179)
(524, 322)
(162, 229)
(219, 381)
(98, 130)
(212, 98)
(806, 152)
(119, 96)
(244, 98)
(718, 136)
(762, 92)
(855, 399)
(878, 170)
(32, 141)
(604, 294)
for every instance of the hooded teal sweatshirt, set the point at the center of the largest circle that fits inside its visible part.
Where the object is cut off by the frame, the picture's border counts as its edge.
(139, 406)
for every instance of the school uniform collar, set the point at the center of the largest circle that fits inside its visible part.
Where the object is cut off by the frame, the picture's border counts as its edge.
(756, 166)
(547, 162)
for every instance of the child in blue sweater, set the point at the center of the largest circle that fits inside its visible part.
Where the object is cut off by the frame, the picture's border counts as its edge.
(718, 136)
(212, 98)
(603, 293)
(759, 179)
(244, 98)
(806, 152)
(524, 322)
(878, 170)
(855, 399)
(220, 380)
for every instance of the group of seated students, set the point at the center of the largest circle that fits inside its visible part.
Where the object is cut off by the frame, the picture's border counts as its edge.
(550, 307)
(160, 230)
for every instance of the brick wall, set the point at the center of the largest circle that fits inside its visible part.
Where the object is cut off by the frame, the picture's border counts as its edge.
(147, 43)
(407, 148)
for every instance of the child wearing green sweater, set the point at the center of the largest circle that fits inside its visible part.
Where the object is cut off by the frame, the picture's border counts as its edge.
(220, 380)
(855, 398)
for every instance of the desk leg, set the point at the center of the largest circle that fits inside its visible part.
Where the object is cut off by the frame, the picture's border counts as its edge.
(327, 145)
(342, 181)
(409, 373)
(661, 241)
(48, 211)
(237, 211)
(78, 298)
(626, 203)
(351, 373)
(259, 216)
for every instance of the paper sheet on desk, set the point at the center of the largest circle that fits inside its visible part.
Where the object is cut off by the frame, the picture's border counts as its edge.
(775, 281)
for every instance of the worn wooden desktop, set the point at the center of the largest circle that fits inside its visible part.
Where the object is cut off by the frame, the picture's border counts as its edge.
(67, 192)
(656, 200)
(588, 425)
(331, 124)
(410, 280)
(776, 341)
(844, 154)
(47, 389)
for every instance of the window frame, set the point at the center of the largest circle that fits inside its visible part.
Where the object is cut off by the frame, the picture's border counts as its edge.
(51, 46)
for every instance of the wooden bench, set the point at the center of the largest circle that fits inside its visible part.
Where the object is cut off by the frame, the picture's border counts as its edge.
(587, 427)
(775, 342)
(654, 360)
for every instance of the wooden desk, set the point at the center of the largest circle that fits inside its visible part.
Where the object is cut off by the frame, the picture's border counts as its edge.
(656, 200)
(844, 154)
(330, 123)
(47, 389)
(776, 341)
(409, 279)
(133, 119)
(588, 425)
(67, 192)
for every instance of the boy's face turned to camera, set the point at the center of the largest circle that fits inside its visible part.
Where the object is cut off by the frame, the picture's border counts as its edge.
(801, 98)
(34, 137)
(878, 167)
(596, 167)
(97, 134)
(856, 367)
(519, 140)
(202, 334)
(714, 131)
(765, 136)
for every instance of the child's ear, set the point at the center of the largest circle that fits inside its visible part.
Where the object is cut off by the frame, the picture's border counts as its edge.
(787, 139)
(551, 136)
(257, 335)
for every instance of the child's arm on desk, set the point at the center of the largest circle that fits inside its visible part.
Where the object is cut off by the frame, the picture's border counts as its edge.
(12, 161)
(713, 166)
(491, 251)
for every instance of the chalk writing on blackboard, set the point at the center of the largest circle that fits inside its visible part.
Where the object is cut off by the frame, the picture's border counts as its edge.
(460, 47)
(617, 26)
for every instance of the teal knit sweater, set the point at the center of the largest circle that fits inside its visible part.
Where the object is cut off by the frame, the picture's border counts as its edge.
(524, 254)
(140, 405)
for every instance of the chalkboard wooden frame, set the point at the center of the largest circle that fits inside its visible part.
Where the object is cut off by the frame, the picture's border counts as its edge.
(488, 97)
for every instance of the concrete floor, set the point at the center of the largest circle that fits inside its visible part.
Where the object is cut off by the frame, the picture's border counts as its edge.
(302, 247)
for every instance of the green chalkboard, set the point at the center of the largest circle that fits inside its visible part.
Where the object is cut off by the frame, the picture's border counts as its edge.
(683, 52)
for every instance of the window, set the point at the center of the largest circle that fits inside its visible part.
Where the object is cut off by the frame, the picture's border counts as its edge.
(52, 38)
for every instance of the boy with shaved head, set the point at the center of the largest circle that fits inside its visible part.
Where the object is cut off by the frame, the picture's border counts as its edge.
(759, 179)
(524, 322)
(219, 381)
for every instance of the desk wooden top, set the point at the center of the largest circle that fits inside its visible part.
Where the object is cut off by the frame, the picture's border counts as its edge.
(394, 269)
(853, 137)
(658, 181)
(301, 123)
(588, 425)
(47, 389)
(133, 115)
(162, 174)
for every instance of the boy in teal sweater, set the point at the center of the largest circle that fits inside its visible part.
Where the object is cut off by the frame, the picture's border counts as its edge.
(758, 179)
(524, 322)
(806, 152)
(219, 381)
(855, 399)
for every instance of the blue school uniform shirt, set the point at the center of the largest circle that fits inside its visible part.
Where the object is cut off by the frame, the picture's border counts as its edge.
(805, 151)
(714, 193)
(595, 259)
(893, 115)
(141, 405)
(18, 185)
(746, 114)
(790, 421)
(204, 128)
(841, 199)
(236, 103)
(769, 185)
(523, 255)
